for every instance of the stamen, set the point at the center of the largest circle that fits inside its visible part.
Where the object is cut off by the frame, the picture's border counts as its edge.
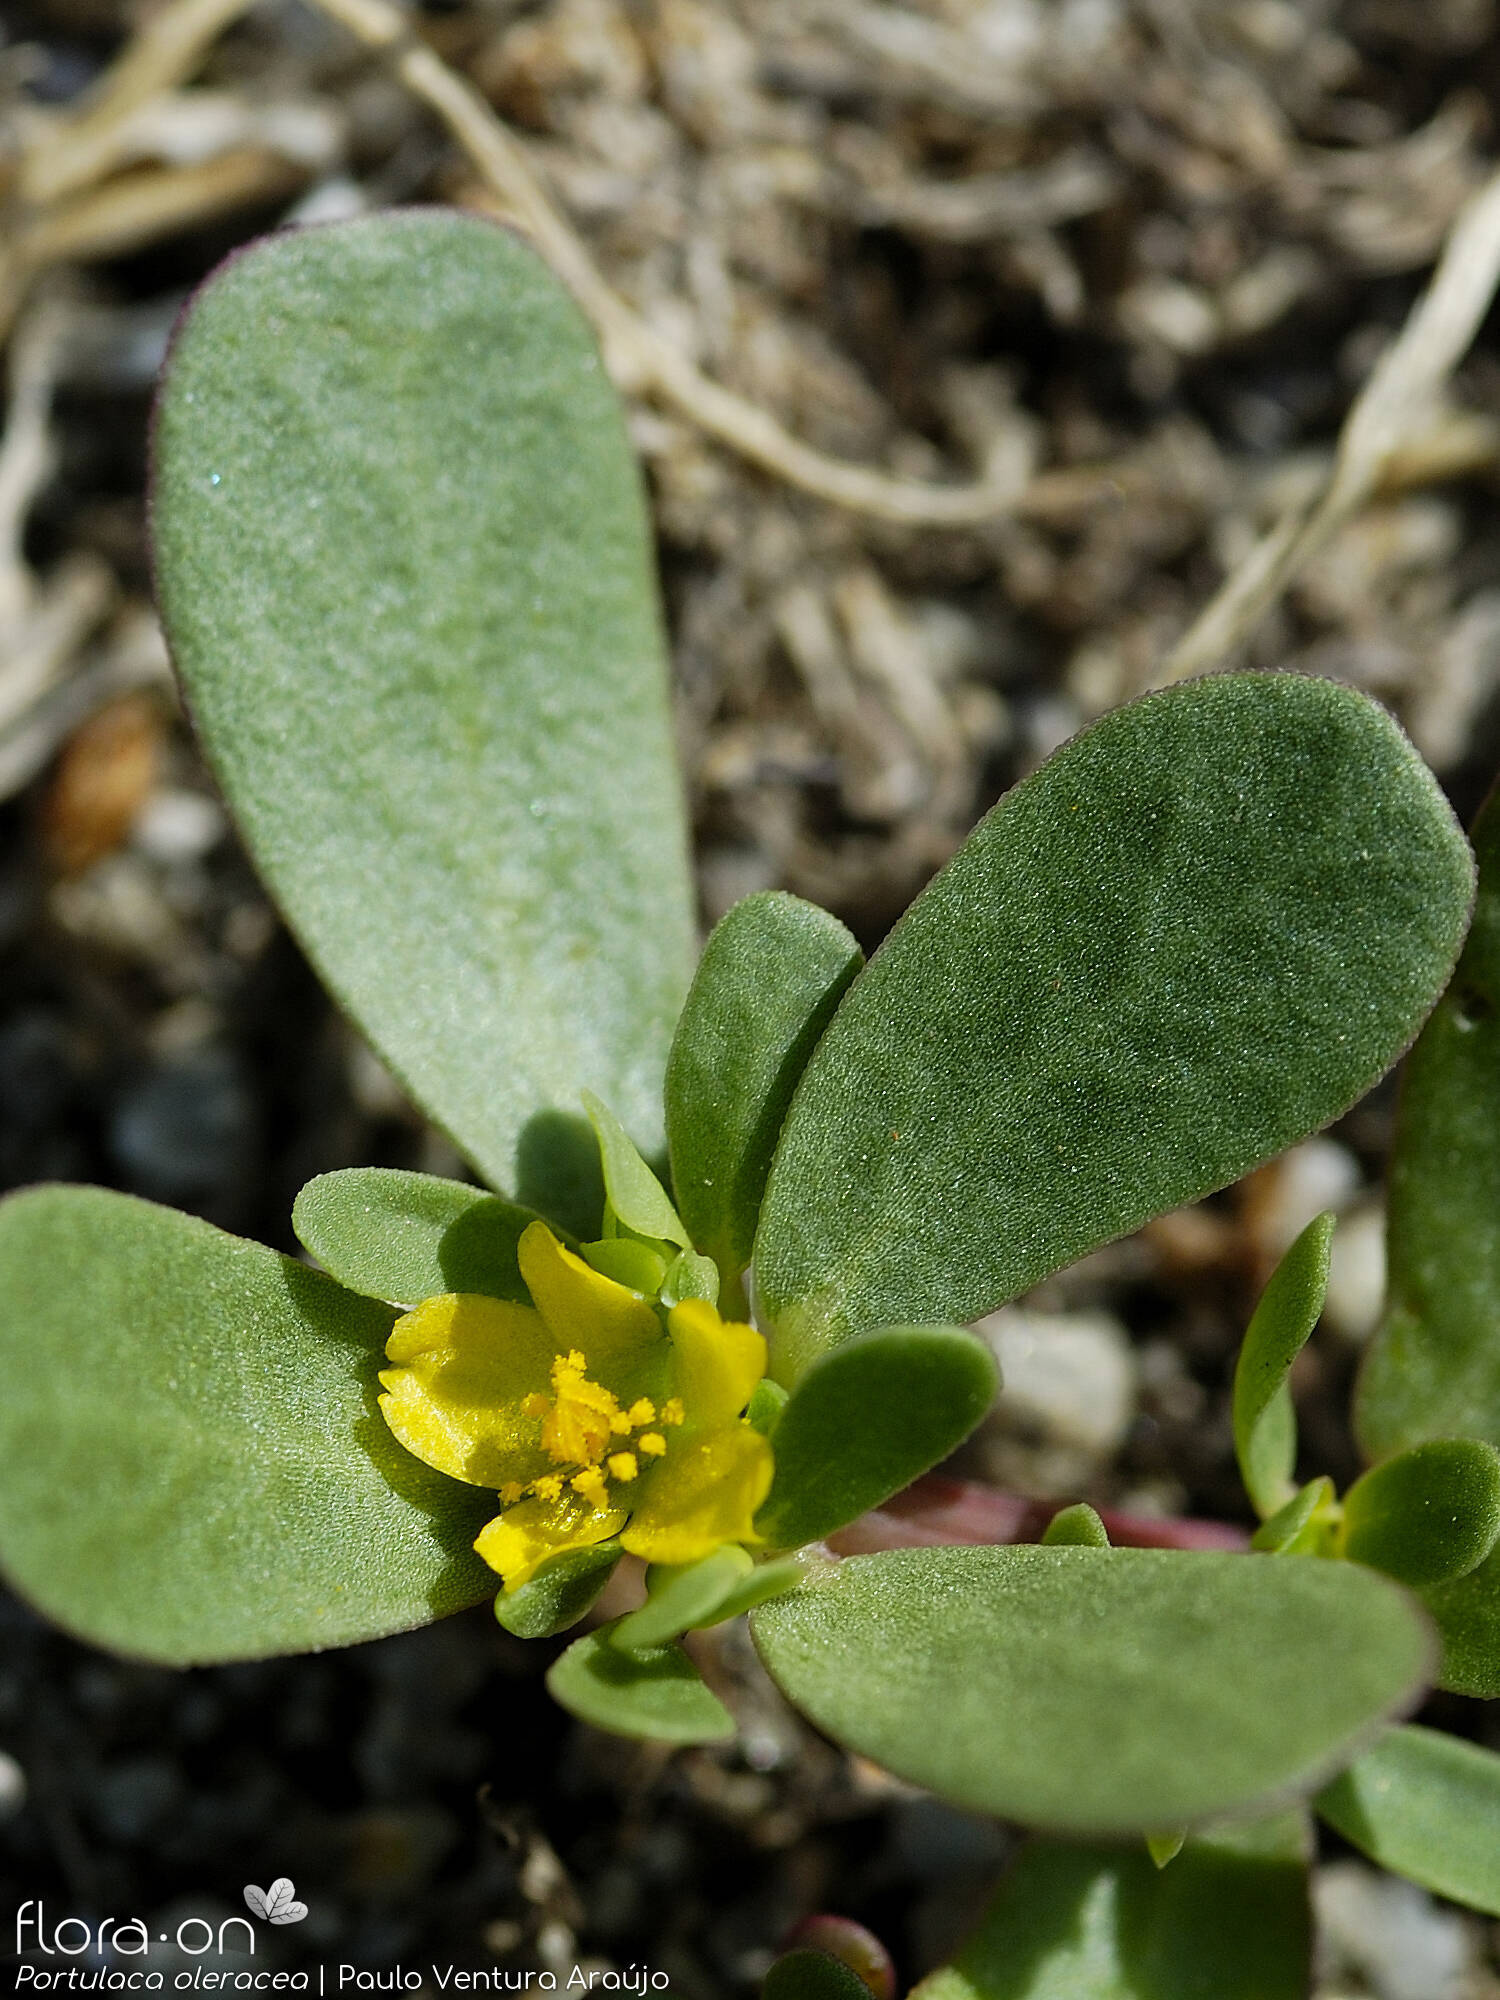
(623, 1467)
(672, 1411)
(653, 1444)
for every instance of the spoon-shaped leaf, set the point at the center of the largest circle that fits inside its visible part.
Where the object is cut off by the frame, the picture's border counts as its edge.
(1229, 1918)
(404, 572)
(196, 1468)
(1427, 1515)
(659, 1694)
(1198, 933)
(866, 1420)
(1097, 1690)
(406, 1237)
(1428, 1806)
(1433, 1370)
(1265, 1424)
(1467, 1614)
(770, 977)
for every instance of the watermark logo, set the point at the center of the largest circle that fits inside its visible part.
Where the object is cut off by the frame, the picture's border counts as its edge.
(276, 1905)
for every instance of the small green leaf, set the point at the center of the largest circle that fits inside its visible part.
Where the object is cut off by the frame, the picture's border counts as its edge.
(767, 1401)
(1429, 1515)
(1468, 1620)
(629, 1262)
(1265, 1424)
(1077, 1527)
(1229, 1920)
(658, 1694)
(690, 1277)
(1097, 1690)
(1197, 933)
(771, 975)
(635, 1194)
(404, 571)
(1433, 1370)
(1306, 1526)
(1164, 1848)
(680, 1598)
(1426, 1805)
(407, 1237)
(559, 1594)
(766, 1580)
(812, 1975)
(866, 1420)
(195, 1466)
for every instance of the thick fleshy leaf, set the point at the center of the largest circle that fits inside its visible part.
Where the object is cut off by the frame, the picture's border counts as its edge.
(1077, 1527)
(770, 977)
(1433, 1370)
(1097, 1690)
(1427, 1515)
(1228, 1919)
(1467, 1614)
(659, 1694)
(404, 571)
(812, 1975)
(1427, 1806)
(866, 1420)
(1196, 934)
(405, 1237)
(195, 1466)
(1265, 1424)
(1307, 1525)
(560, 1592)
(679, 1599)
(635, 1194)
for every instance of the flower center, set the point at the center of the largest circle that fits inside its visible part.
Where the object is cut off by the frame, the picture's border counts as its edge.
(579, 1420)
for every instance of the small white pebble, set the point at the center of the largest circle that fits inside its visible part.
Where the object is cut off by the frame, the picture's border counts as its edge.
(12, 1786)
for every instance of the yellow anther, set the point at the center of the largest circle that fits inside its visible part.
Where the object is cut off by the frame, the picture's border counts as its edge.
(653, 1444)
(619, 1423)
(548, 1487)
(672, 1411)
(642, 1411)
(511, 1492)
(590, 1484)
(623, 1467)
(582, 1416)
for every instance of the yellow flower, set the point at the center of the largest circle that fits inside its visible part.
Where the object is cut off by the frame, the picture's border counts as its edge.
(587, 1416)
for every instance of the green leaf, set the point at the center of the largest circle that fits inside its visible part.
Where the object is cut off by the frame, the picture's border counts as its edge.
(770, 977)
(691, 1277)
(1097, 1690)
(1428, 1806)
(559, 1594)
(1306, 1526)
(1077, 1527)
(1429, 1515)
(1197, 933)
(1467, 1614)
(407, 1237)
(1265, 1424)
(1433, 1370)
(659, 1694)
(404, 571)
(866, 1419)
(681, 1597)
(766, 1580)
(629, 1262)
(1229, 1920)
(1164, 1848)
(635, 1194)
(195, 1466)
(812, 1975)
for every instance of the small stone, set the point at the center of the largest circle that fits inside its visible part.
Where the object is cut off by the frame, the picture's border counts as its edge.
(1071, 1376)
(1356, 1274)
(1391, 1934)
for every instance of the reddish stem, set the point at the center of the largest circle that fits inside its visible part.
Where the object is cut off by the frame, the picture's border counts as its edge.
(936, 1512)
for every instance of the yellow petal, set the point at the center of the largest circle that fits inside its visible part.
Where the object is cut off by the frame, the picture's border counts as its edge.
(519, 1541)
(704, 1493)
(615, 1329)
(719, 1363)
(463, 1367)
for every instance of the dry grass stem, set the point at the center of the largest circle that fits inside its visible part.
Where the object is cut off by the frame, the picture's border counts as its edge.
(1397, 402)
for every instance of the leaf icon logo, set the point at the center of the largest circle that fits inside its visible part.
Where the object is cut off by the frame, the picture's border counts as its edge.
(278, 1904)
